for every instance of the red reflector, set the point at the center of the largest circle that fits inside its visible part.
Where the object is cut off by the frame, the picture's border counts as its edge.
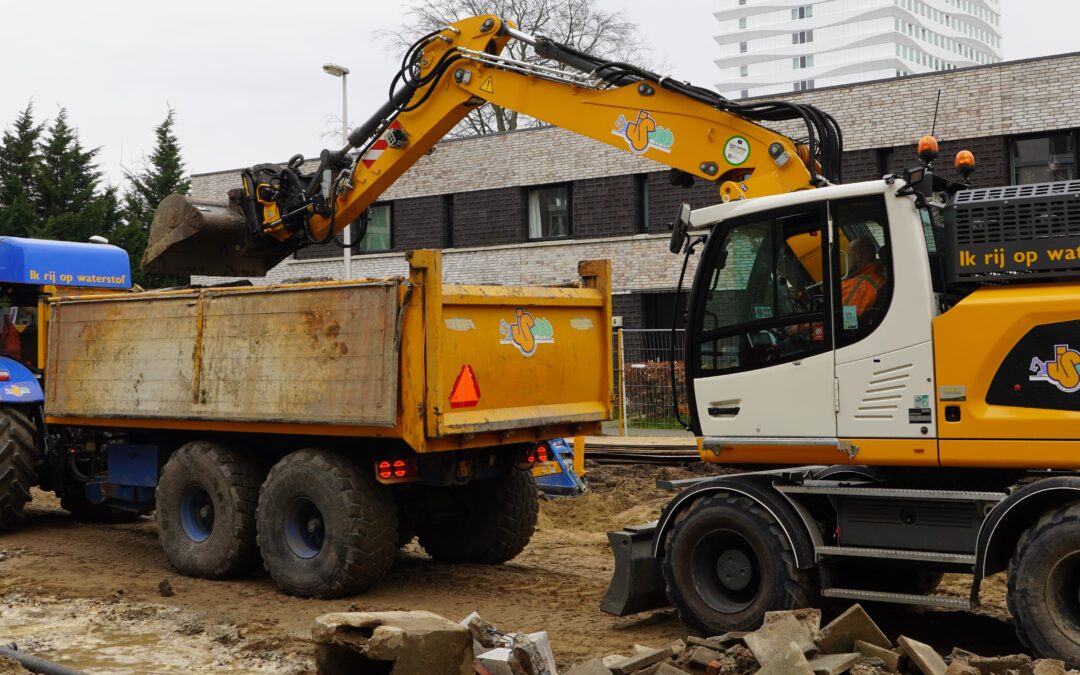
(384, 470)
(541, 453)
(466, 390)
(399, 468)
(4, 376)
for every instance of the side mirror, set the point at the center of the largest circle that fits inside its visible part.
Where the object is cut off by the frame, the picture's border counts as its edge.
(679, 228)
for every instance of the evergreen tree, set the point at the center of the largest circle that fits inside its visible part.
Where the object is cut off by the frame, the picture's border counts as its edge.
(67, 175)
(19, 157)
(162, 175)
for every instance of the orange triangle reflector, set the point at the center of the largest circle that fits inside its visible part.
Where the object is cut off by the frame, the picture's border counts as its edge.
(466, 391)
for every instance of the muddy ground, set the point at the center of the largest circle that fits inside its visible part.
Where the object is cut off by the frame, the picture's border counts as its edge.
(90, 595)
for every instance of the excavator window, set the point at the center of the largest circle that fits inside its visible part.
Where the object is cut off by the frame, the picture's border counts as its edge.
(764, 301)
(863, 286)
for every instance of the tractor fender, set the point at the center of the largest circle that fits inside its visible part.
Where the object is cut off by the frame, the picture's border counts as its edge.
(1001, 529)
(20, 385)
(757, 488)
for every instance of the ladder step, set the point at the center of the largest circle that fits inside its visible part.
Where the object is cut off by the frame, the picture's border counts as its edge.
(836, 488)
(897, 598)
(897, 554)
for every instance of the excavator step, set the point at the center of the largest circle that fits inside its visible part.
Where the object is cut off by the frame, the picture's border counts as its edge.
(830, 488)
(897, 598)
(897, 554)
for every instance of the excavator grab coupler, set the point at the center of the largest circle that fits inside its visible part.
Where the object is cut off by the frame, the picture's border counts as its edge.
(196, 236)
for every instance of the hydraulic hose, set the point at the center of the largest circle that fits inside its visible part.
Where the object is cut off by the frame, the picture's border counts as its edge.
(36, 665)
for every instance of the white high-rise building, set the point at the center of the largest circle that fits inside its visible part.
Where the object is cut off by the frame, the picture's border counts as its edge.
(779, 46)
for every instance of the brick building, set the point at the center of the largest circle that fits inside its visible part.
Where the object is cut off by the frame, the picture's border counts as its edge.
(524, 207)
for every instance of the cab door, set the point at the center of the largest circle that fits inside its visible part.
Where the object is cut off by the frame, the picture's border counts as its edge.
(759, 347)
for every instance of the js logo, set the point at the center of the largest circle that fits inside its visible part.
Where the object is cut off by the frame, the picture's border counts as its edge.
(526, 332)
(643, 133)
(1063, 371)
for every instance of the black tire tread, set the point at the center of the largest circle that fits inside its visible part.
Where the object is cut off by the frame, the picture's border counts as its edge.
(508, 528)
(20, 461)
(243, 478)
(372, 523)
(800, 586)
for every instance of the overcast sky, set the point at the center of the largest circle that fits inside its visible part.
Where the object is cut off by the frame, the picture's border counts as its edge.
(246, 80)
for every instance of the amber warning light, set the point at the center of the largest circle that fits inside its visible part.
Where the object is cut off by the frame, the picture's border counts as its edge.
(964, 162)
(927, 149)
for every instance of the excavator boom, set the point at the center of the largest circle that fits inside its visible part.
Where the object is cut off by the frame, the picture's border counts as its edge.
(696, 132)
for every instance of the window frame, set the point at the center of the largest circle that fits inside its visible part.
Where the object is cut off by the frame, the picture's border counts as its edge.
(356, 250)
(842, 338)
(569, 187)
(1014, 166)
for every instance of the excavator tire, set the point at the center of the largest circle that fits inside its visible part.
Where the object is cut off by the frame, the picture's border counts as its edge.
(727, 562)
(496, 524)
(327, 528)
(205, 510)
(1044, 586)
(20, 460)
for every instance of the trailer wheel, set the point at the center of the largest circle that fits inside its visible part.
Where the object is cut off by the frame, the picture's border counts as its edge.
(1044, 585)
(20, 460)
(205, 510)
(727, 562)
(495, 522)
(327, 528)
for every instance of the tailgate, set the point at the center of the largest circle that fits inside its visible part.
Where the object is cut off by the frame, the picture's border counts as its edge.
(514, 357)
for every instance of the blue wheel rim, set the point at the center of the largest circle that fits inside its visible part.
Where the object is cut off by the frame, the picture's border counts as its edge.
(305, 530)
(197, 513)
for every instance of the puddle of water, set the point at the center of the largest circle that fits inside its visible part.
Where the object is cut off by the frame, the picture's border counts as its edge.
(132, 638)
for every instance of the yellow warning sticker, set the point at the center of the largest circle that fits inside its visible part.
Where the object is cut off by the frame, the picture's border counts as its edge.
(486, 86)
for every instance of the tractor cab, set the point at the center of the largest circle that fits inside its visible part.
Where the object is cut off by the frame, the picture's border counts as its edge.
(32, 270)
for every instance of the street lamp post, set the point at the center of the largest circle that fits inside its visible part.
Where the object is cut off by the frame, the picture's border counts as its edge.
(343, 73)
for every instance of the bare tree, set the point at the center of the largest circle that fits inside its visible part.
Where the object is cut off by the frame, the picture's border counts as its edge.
(578, 23)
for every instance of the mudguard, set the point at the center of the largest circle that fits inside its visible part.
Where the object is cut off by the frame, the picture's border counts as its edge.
(18, 384)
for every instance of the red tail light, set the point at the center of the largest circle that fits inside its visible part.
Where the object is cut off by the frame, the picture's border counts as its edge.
(396, 470)
(541, 453)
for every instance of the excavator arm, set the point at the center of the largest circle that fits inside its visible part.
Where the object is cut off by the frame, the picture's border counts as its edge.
(444, 76)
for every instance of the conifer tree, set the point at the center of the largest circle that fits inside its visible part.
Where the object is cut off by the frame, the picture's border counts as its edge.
(19, 156)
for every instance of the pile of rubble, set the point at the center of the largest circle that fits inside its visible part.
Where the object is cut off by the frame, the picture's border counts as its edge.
(789, 643)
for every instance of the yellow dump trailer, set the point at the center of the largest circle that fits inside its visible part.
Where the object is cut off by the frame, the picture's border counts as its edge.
(319, 425)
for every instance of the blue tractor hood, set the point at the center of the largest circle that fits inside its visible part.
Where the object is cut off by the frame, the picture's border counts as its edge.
(38, 262)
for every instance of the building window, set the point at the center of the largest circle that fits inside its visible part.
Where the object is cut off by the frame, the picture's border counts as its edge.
(549, 212)
(804, 85)
(742, 47)
(1041, 159)
(641, 183)
(378, 235)
(745, 93)
(742, 22)
(744, 71)
(802, 37)
(804, 12)
(803, 62)
(885, 160)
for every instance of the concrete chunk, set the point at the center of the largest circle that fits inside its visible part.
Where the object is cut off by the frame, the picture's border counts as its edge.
(417, 643)
(1048, 667)
(594, 667)
(923, 656)
(998, 665)
(890, 658)
(809, 617)
(788, 660)
(960, 668)
(730, 638)
(668, 669)
(703, 656)
(772, 639)
(833, 664)
(642, 658)
(855, 624)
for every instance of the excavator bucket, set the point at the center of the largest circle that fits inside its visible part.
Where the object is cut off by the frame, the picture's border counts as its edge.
(196, 236)
(637, 585)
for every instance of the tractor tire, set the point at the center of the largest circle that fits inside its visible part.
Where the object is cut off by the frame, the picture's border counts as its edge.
(326, 527)
(727, 562)
(1044, 586)
(20, 461)
(205, 510)
(495, 525)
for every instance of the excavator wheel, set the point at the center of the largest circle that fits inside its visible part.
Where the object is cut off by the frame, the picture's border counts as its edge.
(20, 460)
(1044, 586)
(727, 562)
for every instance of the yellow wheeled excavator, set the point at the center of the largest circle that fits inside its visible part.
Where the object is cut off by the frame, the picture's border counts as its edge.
(903, 352)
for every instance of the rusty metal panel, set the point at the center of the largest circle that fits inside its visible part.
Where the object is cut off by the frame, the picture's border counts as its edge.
(310, 355)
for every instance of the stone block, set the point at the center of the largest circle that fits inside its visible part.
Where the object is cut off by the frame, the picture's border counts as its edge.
(730, 638)
(668, 669)
(809, 617)
(641, 659)
(890, 658)
(772, 639)
(703, 656)
(594, 667)
(833, 664)
(855, 624)
(416, 643)
(928, 661)
(1048, 667)
(790, 660)
(961, 668)
(999, 665)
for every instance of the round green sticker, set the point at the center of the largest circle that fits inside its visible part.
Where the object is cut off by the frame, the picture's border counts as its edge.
(736, 150)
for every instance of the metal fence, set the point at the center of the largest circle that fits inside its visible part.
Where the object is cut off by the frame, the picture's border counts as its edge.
(643, 379)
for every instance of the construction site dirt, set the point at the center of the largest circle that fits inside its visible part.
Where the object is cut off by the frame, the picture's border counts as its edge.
(103, 597)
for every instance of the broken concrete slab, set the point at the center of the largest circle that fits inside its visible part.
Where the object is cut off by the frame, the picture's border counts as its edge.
(923, 656)
(1048, 667)
(833, 664)
(594, 667)
(730, 638)
(890, 658)
(642, 658)
(417, 643)
(668, 669)
(999, 665)
(809, 617)
(612, 659)
(771, 640)
(702, 657)
(855, 624)
(708, 643)
(960, 668)
(789, 660)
